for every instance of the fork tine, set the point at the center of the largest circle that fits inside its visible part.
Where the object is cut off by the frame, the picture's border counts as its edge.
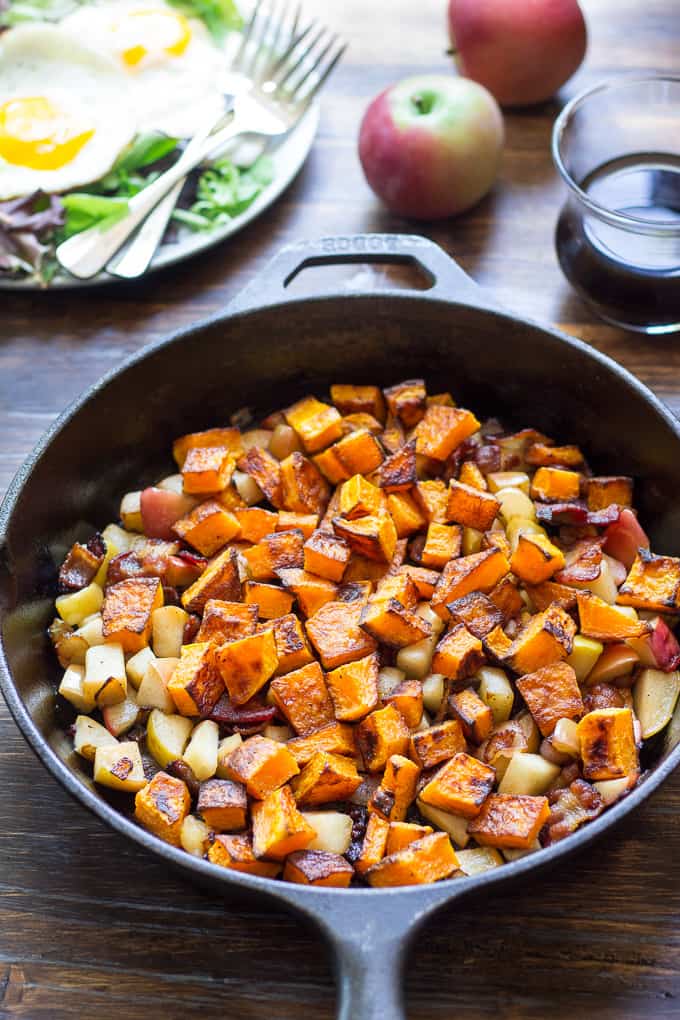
(258, 40)
(308, 71)
(290, 72)
(247, 33)
(292, 46)
(322, 79)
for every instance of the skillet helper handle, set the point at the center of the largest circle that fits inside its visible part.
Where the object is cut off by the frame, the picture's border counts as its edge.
(449, 281)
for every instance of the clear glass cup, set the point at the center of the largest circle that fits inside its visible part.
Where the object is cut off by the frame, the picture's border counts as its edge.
(617, 147)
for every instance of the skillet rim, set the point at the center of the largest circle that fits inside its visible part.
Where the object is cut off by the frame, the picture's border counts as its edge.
(306, 898)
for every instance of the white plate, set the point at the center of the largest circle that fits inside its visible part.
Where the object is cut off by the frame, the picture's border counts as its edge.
(288, 157)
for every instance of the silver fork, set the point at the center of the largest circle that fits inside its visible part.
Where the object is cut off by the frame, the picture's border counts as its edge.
(282, 88)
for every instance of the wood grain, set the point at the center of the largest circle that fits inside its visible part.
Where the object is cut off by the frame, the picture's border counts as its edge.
(90, 924)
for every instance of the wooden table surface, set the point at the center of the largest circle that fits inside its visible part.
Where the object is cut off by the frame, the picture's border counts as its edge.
(90, 924)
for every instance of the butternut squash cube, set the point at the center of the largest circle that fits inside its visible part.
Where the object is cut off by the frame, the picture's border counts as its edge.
(226, 621)
(318, 867)
(548, 637)
(471, 476)
(471, 506)
(603, 622)
(402, 834)
(220, 580)
(207, 470)
(361, 420)
(474, 716)
(290, 521)
(542, 455)
(436, 744)
(508, 600)
(302, 697)
(551, 693)
(127, 609)
(336, 738)
(497, 644)
(433, 496)
(358, 399)
(317, 424)
(359, 452)
(223, 805)
(326, 555)
(653, 583)
(207, 528)
(359, 498)
(292, 646)
(255, 522)
(407, 401)
(278, 827)
(162, 805)
(196, 685)
(336, 635)
(380, 735)
(325, 778)
(262, 765)
(460, 786)
(426, 860)
(274, 552)
(312, 592)
(442, 429)
(236, 852)
(407, 698)
(374, 536)
(477, 612)
(228, 438)
(397, 789)
(607, 740)
(603, 491)
(555, 485)
(510, 821)
(304, 488)
(544, 594)
(459, 654)
(246, 664)
(353, 688)
(331, 467)
(398, 471)
(374, 843)
(443, 542)
(406, 514)
(479, 572)
(271, 601)
(265, 471)
(387, 620)
(536, 558)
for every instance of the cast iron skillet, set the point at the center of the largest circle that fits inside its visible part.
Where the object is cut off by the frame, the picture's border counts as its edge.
(265, 351)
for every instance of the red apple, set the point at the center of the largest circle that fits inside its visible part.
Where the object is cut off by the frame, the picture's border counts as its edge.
(430, 146)
(624, 537)
(160, 509)
(521, 50)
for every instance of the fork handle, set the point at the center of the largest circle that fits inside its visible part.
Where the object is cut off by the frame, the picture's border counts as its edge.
(88, 252)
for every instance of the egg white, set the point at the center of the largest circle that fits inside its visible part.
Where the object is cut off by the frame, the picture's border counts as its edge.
(43, 60)
(170, 93)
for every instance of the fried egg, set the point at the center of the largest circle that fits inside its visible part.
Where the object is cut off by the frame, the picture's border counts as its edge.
(64, 118)
(171, 64)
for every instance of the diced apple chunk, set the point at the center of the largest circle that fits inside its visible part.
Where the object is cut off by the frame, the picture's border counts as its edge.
(153, 690)
(137, 665)
(120, 767)
(167, 630)
(121, 717)
(72, 688)
(167, 736)
(655, 696)
(528, 774)
(333, 830)
(89, 735)
(105, 677)
(455, 825)
(194, 836)
(201, 754)
(75, 608)
(225, 749)
(496, 691)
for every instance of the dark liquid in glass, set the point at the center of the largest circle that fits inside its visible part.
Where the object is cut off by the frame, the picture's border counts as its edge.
(629, 278)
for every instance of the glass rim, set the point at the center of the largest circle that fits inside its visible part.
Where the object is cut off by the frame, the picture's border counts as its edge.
(616, 219)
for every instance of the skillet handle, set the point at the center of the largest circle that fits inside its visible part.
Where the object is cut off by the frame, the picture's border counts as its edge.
(370, 934)
(449, 281)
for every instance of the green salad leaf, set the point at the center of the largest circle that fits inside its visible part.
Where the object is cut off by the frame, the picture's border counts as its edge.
(220, 16)
(14, 12)
(83, 211)
(224, 191)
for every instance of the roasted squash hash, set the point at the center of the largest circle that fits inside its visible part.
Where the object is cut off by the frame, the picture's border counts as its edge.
(372, 641)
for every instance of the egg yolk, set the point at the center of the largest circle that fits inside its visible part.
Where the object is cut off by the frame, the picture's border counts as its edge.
(37, 134)
(153, 34)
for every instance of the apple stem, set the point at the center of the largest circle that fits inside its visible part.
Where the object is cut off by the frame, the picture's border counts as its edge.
(451, 52)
